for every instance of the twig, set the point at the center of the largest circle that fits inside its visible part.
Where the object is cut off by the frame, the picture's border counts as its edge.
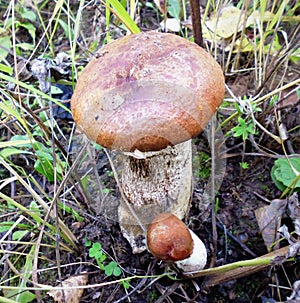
(213, 214)
(232, 237)
(196, 22)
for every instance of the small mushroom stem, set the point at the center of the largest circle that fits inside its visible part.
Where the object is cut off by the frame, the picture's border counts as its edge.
(156, 183)
(197, 260)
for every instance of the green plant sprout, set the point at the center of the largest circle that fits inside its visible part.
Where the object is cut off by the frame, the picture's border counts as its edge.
(244, 165)
(243, 129)
(96, 252)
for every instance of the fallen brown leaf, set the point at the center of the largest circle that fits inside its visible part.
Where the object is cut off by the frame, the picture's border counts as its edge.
(69, 294)
(269, 220)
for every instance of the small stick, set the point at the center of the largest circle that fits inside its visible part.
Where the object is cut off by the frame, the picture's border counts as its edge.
(196, 22)
(231, 236)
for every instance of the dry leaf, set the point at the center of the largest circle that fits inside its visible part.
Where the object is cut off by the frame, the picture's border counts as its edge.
(224, 25)
(171, 24)
(242, 44)
(257, 17)
(294, 211)
(230, 20)
(69, 295)
(296, 292)
(269, 220)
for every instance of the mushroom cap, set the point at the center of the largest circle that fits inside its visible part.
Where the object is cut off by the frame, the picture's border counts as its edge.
(147, 91)
(169, 239)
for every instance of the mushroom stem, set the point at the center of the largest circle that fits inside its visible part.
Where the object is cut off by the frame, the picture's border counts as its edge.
(197, 260)
(155, 182)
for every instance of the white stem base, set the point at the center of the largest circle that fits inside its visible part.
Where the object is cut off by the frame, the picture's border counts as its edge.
(197, 259)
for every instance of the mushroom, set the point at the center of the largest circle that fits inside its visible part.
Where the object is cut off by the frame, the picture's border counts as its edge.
(145, 96)
(169, 239)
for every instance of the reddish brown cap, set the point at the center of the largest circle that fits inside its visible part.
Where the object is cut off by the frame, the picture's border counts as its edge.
(169, 239)
(147, 91)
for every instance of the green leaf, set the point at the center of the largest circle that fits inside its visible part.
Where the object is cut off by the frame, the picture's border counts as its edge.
(117, 271)
(244, 165)
(100, 257)
(54, 90)
(88, 243)
(125, 284)
(119, 11)
(70, 210)
(4, 226)
(30, 27)
(10, 151)
(18, 140)
(112, 269)
(174, 8)
(28, 14)
(35, 208)
(25, 46)
(6, 44)
(94, 250)
(109, 269)
(243, 129)
(4, 68)
(26, 296)
(19, 234)
(284, 175)
(44, 165)
(66, 29)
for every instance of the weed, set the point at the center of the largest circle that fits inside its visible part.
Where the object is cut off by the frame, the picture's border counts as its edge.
(285, 174)
(243, 129)
(96, 252)
(244, 165)
(202, 164)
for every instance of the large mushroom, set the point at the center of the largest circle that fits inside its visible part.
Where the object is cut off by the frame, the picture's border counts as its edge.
(146, 95)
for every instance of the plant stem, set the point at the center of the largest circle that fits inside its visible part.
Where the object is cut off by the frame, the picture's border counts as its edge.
(239, 269)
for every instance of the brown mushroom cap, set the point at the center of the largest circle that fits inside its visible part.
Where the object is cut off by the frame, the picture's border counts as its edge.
(147, 91)
(169, 239)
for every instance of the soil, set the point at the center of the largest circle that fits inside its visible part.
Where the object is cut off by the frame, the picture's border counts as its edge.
(241, 192)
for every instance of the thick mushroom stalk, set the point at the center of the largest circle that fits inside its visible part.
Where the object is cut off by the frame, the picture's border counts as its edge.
(155, 182)
(169, 239)
(147, 95)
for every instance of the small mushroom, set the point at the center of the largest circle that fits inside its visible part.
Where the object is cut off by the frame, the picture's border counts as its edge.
(169, 239)
(145, 96)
